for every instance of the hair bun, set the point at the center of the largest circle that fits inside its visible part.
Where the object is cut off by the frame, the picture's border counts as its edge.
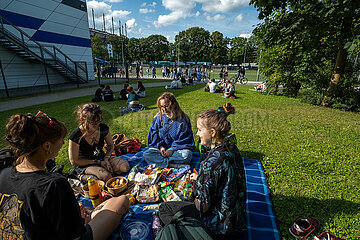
(227, 109)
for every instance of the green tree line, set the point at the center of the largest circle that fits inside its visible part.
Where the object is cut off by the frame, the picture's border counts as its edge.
(194, 44)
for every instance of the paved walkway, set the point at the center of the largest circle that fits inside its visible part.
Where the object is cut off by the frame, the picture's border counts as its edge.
(58, 96)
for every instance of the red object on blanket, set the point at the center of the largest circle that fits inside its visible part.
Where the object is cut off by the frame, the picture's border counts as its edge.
(133, 147)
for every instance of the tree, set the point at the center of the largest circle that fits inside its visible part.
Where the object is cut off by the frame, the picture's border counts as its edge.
(98, 47)
(218, 48)
(119, 44)
(135, 49)
(193, 44)
(311, 37)
(156, 47)
(236, 50)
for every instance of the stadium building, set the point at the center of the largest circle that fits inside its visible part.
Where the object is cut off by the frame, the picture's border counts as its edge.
(44, 44)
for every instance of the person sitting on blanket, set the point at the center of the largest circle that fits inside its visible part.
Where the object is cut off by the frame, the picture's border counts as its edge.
(170, 139)
(40, 205)
(133, 104)
(123, 92)
(219, 189)
(141, 89)
(86, 147)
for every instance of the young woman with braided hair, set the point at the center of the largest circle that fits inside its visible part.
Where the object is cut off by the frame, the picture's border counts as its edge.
(220, 187)
(86, 147)
(38, 205)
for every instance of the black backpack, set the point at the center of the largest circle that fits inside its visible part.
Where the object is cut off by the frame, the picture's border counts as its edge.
(184, 228)
(7, 158)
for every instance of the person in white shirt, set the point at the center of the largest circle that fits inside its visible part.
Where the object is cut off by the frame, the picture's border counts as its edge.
(213, 86)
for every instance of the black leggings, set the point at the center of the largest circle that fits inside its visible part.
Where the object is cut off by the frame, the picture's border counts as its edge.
(168, 209)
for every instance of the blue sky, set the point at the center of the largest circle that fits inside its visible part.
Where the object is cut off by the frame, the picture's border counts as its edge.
(168, 17)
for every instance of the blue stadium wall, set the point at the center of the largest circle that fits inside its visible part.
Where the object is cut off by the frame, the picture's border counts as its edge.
(62, 23)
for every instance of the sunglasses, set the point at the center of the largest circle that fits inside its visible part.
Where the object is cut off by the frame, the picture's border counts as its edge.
(45, 115)
(95, 122)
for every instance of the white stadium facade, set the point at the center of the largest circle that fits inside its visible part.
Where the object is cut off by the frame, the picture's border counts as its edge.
(43, 44)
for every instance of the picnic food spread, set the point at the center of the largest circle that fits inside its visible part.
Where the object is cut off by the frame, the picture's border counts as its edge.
(147, 185)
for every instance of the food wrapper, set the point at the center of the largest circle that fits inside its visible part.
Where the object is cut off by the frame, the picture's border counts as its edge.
(177, 174)
(147, 194)
(167, 194)
(164, 173)
(151, 207)
(142, 179)
(155, 175)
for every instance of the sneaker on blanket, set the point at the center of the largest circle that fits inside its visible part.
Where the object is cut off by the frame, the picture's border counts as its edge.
(303, 227)
(327, 236)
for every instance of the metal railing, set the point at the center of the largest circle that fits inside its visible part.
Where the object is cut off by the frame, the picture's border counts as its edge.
(49, 55)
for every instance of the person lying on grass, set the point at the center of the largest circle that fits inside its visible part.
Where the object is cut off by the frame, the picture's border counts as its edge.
(86, 144)
(42, 205)
(170, 139)
(219, 190)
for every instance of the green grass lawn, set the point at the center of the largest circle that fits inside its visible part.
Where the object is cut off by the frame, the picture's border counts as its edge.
(311, 155)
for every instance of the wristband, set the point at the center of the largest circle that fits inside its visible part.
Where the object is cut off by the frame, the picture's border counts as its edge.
(171, 149)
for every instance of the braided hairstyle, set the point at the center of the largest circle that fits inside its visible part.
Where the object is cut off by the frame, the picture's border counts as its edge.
(217, 119)
(25, 133)
(87, 113)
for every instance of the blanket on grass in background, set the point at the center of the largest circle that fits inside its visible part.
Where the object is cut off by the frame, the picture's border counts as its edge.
(261, 219)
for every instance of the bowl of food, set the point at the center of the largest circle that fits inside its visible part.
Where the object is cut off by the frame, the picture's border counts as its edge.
(85, 188)
(116, 185)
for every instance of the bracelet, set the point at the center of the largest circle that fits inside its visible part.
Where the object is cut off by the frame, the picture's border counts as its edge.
(171, 149)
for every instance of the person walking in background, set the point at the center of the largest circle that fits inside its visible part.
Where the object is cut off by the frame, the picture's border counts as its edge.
(154, 72)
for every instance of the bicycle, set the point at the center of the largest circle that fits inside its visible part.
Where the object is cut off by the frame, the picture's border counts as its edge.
(240, 80)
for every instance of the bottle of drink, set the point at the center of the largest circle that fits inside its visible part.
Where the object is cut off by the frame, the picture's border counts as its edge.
(187, 191)
(94, 192)
(156, 224)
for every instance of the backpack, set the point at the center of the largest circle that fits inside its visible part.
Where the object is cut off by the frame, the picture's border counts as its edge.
(7, 158)
(184, 228)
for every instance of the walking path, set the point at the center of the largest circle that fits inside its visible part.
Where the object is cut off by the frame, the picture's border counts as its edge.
(58, 96)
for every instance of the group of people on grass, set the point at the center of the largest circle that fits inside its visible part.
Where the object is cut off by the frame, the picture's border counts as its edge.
(226, 87)
(46, 207)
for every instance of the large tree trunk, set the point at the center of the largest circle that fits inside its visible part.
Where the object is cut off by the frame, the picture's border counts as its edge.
(340, 60)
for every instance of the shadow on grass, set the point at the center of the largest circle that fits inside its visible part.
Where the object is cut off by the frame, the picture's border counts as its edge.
(328, 211)
(252, 155)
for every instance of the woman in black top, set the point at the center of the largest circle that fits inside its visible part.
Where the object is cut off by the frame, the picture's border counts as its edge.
(86, 147)
(37, 205)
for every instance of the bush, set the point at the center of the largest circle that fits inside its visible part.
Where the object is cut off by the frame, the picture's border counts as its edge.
(311, 96)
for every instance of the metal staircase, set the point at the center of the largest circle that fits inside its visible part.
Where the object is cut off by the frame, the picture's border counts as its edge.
(15, 39)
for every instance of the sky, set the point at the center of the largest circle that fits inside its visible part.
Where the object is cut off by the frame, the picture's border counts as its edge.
(233, 18)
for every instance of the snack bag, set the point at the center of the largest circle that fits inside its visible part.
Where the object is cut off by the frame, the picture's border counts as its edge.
(167, 194)
(164, 173)
(177, 174)
(147, 194)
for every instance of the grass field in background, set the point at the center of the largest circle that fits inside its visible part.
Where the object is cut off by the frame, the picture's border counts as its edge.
(311, 155)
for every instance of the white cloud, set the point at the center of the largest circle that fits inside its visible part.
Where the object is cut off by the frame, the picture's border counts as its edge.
(223, 6)
(215, 18)
(197, 13)
(113, 1)
(239, 17)
(131, 24)
(146, 10)
(169, 39)
(182, 9)
(245, 35)
(153, 4)
(179, 9)
(143, 4)
(101, 8)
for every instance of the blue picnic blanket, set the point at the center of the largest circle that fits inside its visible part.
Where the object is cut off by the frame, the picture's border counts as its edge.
(261, 219)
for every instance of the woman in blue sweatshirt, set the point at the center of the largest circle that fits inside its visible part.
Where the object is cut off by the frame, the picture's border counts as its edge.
(170, 139)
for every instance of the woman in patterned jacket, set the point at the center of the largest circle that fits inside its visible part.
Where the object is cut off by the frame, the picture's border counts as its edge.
(220, 187)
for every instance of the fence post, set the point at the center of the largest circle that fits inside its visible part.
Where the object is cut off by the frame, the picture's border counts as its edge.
(98, 71)
(3, 76)
(86, 72)
(46, 73)
(77, 74)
